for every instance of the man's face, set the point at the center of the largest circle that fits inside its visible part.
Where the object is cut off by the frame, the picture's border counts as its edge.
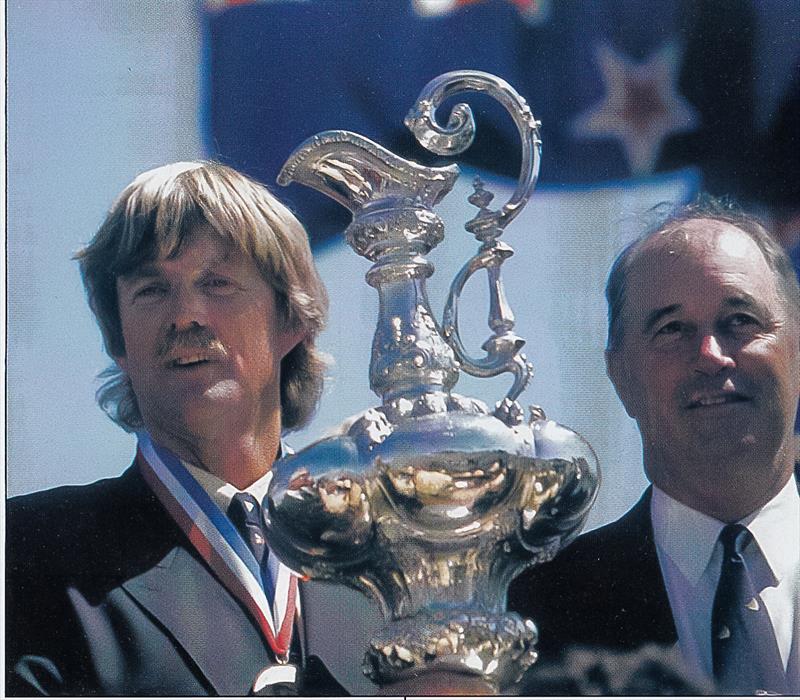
(203, 340)
(709, 364)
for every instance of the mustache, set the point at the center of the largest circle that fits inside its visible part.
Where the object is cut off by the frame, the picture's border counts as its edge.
(197, 338)
(722, 384)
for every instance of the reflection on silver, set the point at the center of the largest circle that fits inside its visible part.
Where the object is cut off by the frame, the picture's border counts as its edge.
(431, 502)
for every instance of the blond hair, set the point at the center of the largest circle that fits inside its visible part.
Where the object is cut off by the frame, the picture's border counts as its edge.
(153, 216)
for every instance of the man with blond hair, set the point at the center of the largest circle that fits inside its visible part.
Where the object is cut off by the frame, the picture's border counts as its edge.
(159, 582)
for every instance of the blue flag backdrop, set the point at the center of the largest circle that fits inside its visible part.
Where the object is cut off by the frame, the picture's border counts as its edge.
(623, 87)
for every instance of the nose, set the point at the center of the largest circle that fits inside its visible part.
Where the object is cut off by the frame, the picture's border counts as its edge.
(188, 309)
(712, 357)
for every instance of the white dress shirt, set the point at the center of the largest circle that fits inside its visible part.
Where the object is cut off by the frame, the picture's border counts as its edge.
(691, 559)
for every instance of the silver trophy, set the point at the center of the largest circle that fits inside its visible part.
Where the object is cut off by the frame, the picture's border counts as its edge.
(431, 502)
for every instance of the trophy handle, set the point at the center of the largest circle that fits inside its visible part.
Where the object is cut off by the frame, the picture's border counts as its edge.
(502, 348)
(457, 136)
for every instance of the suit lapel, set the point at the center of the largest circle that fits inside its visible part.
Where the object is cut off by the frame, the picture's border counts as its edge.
(204, 619)
(648, 594)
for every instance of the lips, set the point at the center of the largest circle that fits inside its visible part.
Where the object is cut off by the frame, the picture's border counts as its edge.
(182, 357)
(188, 361)
(711, 399)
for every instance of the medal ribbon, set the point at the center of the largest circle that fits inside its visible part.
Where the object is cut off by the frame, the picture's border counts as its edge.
(219, 544)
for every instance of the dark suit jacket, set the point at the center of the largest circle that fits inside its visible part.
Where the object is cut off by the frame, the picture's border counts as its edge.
(105, 595)
(605, 589)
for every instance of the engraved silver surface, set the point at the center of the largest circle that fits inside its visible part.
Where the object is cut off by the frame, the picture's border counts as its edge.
(431, 502)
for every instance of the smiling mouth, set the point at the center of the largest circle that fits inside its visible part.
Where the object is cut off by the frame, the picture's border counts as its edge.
(706, 401)
(190, 357)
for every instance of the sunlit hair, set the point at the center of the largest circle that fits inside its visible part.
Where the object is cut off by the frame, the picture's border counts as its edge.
(152, 218)
(705, 207)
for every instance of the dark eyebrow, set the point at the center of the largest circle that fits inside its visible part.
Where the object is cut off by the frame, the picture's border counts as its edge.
(655, 316)
(744, 301)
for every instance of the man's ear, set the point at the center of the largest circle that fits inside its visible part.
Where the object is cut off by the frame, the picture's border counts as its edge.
(619, 374)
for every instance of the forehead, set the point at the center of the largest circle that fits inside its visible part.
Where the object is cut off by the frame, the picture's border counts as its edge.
(699, 266)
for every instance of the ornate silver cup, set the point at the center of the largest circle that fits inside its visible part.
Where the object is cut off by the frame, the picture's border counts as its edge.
(431, 502)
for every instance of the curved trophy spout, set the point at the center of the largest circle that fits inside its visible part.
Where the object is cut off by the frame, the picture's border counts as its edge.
(357, 172)
(393, 226)
(430, 502)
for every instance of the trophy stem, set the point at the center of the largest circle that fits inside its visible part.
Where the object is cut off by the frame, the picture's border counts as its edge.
(409, 355)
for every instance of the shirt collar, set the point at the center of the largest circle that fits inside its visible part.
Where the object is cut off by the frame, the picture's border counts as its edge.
(779, 544)
(688, 537)
(221, 492)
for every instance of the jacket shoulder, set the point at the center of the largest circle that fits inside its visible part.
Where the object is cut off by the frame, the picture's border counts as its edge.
(597, 553)
(69, 550)
(72, 534)
(590, 593)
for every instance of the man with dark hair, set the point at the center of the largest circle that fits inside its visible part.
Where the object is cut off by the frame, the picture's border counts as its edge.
(159, 582)
(704, 352)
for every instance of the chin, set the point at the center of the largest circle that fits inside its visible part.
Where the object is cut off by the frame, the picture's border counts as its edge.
(736, 446)
(203, 412)
(224, 391)
(192, 416)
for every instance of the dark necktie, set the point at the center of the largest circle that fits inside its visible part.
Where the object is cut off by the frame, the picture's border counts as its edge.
(245, 513)
(743, 647)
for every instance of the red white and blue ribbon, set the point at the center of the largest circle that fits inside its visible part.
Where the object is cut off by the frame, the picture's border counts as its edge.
(221, 546)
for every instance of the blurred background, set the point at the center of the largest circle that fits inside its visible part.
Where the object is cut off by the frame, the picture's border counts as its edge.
(641, 103)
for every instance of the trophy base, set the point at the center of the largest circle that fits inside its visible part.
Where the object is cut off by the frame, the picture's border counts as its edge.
(497, 648)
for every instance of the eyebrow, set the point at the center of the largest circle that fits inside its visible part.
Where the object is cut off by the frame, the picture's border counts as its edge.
(744, 300)
(655, 316)
(150, 269)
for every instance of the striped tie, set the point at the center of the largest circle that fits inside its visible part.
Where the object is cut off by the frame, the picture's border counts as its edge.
(245, 513)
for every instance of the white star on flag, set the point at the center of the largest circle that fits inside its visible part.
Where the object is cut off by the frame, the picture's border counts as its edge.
(641, 107)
